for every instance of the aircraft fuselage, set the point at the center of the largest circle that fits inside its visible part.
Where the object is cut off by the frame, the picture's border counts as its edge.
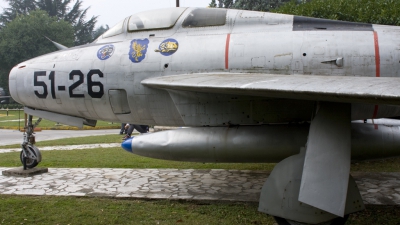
(102, 80)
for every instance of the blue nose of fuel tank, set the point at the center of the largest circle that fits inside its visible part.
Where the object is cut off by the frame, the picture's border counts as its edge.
(127, 145)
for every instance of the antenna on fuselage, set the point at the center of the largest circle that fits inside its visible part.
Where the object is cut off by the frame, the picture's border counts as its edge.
(177, 3)
(59, 46)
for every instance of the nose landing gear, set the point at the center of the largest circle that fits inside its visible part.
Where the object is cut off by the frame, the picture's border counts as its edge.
(30, 155)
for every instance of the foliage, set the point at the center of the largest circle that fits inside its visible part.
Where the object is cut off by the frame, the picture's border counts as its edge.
(4, 79)
(84, 29)
(99, 31)
(11, 105)
(23, 38)
(59, 9)
(255, 5)
(366, 11)
(17, 7)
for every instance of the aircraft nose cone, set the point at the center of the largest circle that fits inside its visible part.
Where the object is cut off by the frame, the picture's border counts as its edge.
(12, 84)
(127, 145)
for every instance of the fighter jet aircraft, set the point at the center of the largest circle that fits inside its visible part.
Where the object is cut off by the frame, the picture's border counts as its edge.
(3, 98)
(252, 87)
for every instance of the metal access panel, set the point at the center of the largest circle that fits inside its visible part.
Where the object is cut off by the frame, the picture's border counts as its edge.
(119, 101)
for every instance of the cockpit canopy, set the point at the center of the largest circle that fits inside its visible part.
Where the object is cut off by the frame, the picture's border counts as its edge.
(155, 19)
(204, 17)
(166, 18)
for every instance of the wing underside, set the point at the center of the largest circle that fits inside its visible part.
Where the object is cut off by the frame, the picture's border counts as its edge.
(372, 90)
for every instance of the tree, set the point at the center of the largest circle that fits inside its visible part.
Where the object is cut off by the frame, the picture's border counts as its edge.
(17, 7)
(366, 11)
(23, 38)
(99, 31)
(256, 5)
(75, 16)
(59, 9)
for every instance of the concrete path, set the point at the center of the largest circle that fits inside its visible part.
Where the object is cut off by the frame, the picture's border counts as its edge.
(66, 147)
(232, 185)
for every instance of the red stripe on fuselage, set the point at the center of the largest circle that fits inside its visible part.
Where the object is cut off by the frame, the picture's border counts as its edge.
(375, 112)
(378, 68)
(377, 56)
(228, 39)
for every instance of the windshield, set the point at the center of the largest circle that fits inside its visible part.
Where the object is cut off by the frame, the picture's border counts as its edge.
(155, 19)
(117, 29)
(204, 17)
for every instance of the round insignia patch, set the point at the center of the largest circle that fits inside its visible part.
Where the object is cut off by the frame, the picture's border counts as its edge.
(168, 47)
(138, 50)
(105, 52)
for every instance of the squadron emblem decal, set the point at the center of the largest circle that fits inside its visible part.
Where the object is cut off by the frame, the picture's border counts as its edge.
(138, 50)
(105, 52)
(168, 47)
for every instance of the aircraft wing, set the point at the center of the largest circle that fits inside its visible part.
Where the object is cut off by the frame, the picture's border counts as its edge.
(373, 90)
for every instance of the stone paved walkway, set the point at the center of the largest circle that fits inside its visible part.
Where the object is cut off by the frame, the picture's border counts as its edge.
(232, 185)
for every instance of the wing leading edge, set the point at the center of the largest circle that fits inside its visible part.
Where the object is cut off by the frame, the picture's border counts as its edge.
(372, 90)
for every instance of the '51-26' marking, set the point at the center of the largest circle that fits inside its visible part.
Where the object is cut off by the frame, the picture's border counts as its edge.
(71, 89)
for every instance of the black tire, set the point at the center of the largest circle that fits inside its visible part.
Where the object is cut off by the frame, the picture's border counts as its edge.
(281, 221)
(339, 220)
(336, 221)
(30, 163)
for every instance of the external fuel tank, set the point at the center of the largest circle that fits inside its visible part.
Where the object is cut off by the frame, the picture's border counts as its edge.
(256, 144)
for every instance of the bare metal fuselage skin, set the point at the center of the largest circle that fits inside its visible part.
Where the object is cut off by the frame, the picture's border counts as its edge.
(249, 42)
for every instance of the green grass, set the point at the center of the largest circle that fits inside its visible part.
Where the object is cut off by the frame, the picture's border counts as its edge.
(118, 158)
(73, 210)
(94, 210)
(44, 124)
(111, 138)
(383, 165)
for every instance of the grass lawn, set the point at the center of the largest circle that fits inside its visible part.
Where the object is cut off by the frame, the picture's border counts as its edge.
(75, 210)
(119, 158)
(95, 210)
(15, 119)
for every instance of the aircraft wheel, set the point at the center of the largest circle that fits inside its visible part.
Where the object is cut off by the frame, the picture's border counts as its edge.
(31, 160)
(336, 221)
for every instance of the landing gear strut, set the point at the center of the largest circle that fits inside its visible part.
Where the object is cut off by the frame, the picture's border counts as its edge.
(30, 155)
(315, 186)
